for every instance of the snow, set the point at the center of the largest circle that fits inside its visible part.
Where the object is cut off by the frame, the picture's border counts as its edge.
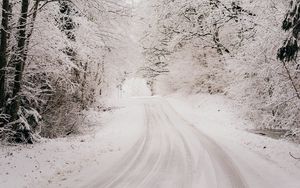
(82, 160)
(51, 162)
(221, 119)
(141, 140)
(135, 87)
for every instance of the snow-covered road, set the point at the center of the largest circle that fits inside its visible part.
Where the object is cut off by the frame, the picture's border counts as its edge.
(157, 142)
(170, 152)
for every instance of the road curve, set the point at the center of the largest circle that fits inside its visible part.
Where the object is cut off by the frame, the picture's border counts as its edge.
(171, 153)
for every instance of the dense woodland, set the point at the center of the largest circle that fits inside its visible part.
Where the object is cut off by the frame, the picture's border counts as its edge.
(54, 57)
(57, 57)
(246, 50)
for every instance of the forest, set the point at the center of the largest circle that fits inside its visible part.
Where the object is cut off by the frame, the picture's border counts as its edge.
(62, 62)
(54, 58)
(57, 57)
(246, 50)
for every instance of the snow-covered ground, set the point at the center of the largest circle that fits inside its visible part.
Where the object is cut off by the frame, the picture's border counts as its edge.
(51, 162)
(221, 119)
(109, 156)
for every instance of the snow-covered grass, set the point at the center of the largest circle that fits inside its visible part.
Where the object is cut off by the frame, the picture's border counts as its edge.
(222, 119)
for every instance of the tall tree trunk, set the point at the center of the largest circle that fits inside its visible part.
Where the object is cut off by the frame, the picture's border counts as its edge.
(3, 50)
(20, 60)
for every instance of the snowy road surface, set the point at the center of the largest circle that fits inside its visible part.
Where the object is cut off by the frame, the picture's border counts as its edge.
(170, 152)
(176, 141)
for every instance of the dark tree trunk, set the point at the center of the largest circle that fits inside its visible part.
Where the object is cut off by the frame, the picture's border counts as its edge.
(20, 60)
(3, 50)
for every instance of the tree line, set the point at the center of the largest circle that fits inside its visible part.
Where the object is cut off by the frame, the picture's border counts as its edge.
(245, 50)
(52, 63)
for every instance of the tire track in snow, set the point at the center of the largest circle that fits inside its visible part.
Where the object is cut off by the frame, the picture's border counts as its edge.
(223, 165)
(171, 154)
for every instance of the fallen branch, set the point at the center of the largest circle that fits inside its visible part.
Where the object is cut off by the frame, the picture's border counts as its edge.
(297, 158)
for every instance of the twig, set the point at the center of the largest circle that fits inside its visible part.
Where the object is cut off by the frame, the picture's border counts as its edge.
(297, 158)
(291, 79)
(72, 128)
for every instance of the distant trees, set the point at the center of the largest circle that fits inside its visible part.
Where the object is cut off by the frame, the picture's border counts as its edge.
(209, 29)
(229, 47)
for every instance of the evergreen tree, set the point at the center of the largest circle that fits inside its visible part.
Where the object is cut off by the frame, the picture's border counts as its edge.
(66, 23)
(289, 50)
